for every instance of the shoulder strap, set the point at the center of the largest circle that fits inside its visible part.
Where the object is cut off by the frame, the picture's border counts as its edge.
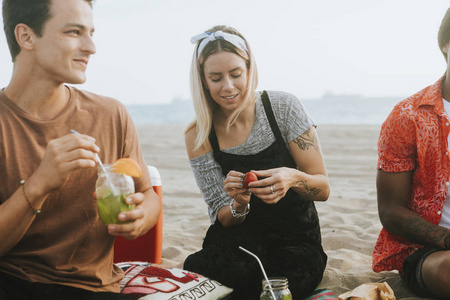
(213, 139)
(269, 113)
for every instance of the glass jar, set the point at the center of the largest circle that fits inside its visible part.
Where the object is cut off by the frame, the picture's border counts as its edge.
(279, 289)
(111, 190)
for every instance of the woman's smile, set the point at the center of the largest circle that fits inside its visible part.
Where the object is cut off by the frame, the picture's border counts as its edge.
(226, 78)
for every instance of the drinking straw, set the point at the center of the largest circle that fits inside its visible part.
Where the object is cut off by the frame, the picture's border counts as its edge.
(96, 155)
(262, 269)
(113, 188)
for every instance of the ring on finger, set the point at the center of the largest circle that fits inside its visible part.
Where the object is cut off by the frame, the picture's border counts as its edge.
(271, 188)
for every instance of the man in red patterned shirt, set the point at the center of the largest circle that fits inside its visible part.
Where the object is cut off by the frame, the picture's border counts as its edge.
(412, 186)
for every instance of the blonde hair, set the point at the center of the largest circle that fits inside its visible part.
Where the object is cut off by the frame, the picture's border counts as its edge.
(204, 105)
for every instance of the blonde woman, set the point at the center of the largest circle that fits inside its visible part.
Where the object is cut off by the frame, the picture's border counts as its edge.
(238, 130)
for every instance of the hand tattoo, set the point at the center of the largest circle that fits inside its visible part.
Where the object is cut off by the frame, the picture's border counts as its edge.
(305, 141)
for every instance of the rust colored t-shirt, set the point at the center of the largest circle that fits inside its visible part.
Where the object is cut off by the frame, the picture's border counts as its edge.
(67, 243)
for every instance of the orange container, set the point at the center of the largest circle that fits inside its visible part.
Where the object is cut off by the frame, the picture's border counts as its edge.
(146, 248)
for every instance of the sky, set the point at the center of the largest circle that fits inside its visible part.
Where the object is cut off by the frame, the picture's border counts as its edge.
(378, 48)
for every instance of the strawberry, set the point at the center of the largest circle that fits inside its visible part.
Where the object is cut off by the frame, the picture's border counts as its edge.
(249, 177)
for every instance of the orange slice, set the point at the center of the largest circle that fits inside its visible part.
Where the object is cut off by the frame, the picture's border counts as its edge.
(127, 166)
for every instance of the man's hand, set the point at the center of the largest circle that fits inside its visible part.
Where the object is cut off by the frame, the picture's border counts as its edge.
(139, 220)
(63, 156)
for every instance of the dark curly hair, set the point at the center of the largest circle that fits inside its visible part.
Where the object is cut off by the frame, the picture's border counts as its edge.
(444, 32)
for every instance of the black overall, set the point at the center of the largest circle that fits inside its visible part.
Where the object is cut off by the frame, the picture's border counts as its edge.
(285, 236)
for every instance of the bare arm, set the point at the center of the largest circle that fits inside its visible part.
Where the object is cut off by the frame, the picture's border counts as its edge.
(62, 157)
(313, 180)
(393, 194)
(310, 179)
(231, 185)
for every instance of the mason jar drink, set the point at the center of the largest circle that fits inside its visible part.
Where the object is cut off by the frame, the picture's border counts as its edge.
(279, 289)
(111, 190)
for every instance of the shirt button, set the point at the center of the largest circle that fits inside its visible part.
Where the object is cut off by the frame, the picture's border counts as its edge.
(439, 212)
(447, 184)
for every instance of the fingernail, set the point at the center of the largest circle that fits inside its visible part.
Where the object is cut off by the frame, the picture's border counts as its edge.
(122, 216)
(240, 179)
(112, 227)
(240, 184)
(128, 200)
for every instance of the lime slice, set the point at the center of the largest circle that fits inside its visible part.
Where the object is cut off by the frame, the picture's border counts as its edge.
(103, 213)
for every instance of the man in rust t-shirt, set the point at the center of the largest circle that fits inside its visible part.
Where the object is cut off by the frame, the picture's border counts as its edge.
(52, 241)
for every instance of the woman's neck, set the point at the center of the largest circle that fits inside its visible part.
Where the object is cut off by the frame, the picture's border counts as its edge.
(239, 131)
(247, 114)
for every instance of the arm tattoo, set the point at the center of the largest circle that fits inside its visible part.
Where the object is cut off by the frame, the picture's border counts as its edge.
(447, 242)
(305, 141)
(308, 193)
(418, 230)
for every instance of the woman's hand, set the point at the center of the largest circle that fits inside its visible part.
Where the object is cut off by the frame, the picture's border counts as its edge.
(241, 197)
(274, 183)
(233, 187)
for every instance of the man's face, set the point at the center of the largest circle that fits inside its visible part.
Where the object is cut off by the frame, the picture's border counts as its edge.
(445, 50)
(63, 51)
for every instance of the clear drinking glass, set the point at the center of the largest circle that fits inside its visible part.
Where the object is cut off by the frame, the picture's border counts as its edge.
(111, 190)
(279, 288)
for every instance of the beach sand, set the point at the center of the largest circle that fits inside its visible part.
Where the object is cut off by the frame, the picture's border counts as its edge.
(349, 219)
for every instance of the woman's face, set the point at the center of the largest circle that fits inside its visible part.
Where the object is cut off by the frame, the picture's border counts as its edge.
(226, 79)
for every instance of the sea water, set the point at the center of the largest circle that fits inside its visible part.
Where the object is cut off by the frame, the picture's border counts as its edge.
(332, 110)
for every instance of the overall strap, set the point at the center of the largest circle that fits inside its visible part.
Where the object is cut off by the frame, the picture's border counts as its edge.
(270, 116)
(269, 113)
(213, 139)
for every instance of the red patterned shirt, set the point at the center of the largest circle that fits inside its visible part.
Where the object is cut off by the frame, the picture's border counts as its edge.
(414, 137)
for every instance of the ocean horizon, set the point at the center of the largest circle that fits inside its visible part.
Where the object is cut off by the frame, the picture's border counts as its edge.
(328, 110)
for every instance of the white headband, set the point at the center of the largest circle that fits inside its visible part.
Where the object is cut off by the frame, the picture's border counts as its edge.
(207, 37)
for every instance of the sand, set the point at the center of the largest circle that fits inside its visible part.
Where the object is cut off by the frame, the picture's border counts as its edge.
(349, 219)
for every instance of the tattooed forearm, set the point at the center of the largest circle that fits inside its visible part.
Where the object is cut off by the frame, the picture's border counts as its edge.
(418, 230)
(307, 193)
(305, 141)
(447, 242)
